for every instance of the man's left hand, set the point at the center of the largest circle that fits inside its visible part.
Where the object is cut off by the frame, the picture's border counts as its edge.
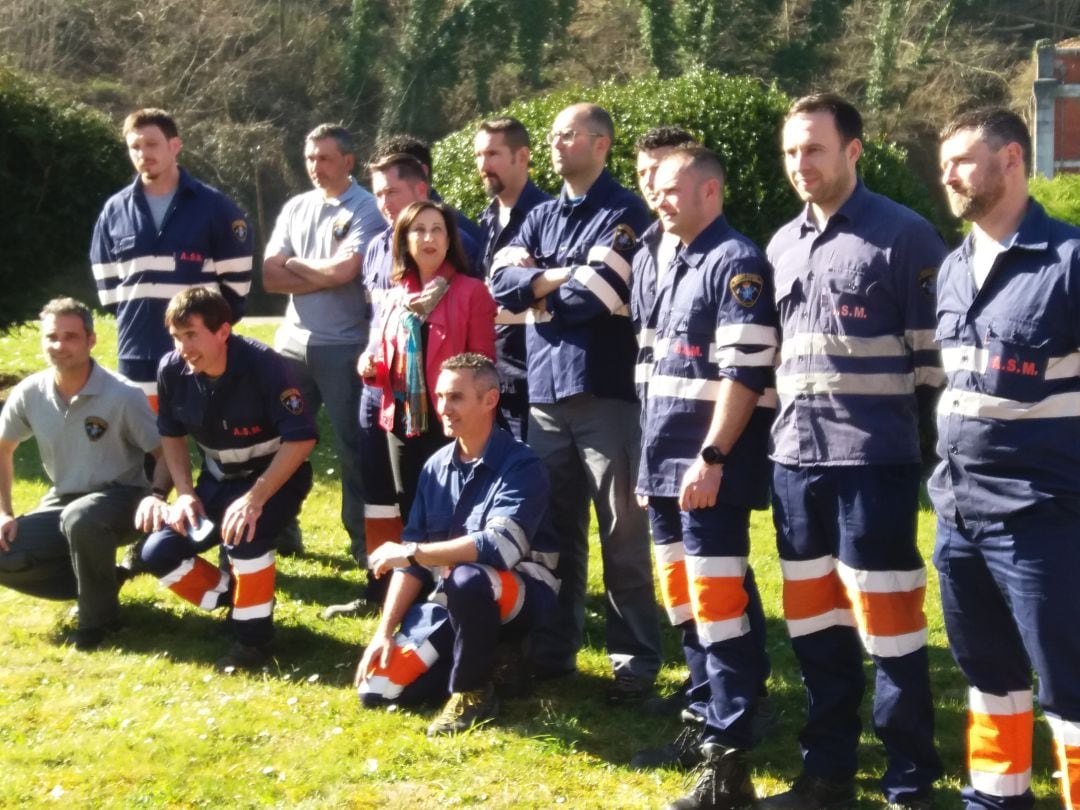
(700, 485)
(238, 523)
(387, 557)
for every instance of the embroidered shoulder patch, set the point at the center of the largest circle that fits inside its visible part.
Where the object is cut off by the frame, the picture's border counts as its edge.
(240, 230)
(746, 288)
(341, 227)
(624, 237)
(927, 281)
(293, 401)
(95, 427)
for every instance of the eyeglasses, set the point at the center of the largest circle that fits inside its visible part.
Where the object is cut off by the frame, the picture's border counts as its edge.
(568, 136)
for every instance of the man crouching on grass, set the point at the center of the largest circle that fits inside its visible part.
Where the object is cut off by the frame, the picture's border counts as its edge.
(238, 401)
(471, 535)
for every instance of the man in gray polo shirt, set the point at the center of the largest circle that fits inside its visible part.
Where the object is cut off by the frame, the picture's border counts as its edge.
(315, 254)
(93, 430)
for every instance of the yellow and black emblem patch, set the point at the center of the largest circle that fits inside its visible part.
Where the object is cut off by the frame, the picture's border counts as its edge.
(341, 227)
(240, 230)
(95, 427)
(293, 401)
(746, 288)
(624, 237)
(927, 281)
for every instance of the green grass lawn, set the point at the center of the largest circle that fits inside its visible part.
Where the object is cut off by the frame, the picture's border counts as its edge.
(147, 722)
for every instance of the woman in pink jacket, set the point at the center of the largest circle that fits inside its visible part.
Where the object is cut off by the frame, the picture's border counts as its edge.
(434, 311)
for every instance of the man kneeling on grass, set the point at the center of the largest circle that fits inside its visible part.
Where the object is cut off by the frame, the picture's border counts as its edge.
(470, 534)
(93, 430)
(238, 400)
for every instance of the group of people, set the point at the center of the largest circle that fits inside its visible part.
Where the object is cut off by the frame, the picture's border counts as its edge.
(488, 384)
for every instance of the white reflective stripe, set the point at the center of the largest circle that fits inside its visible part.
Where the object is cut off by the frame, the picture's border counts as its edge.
(375, 511)
(140, 264)
(177, 573)
(920, 340)
(646, 338)
(677, 614)
(753, 334)
(244, 614)
(497, 590)
(513, 528)
(238, 455)
(378, 685)
(669, 553)
(505, 317)
(1060, 368)
(662, 345)
(209, 599)
(1001, 784)
(715, 632)
(768, 399)
(816, 343)
(798, 570)
(1066, 732)
(241, 264)
(929, 375)
(642, 372)
(974, 404)
(715, 566)
(148, 388)
(737, 357)
(539, 572)
(367, 295)
(881, 581)
(836, 617)
(146, 289)
(894, 646)
(606, 255)
(241, 288)
(964, 358)
(622, 312)
(834, 382)
(214, 468)
(598, 286)
(662, 385)
(1018, 702)
(253, 565)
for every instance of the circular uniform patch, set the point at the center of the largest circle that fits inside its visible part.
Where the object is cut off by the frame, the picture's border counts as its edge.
(293, 401)
(95, 427)
(746, 288)
(341, 227)
(240, 230)
(927, 281)
(624, 238)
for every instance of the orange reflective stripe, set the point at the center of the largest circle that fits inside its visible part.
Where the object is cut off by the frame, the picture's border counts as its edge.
(674, 586)
(889, 614)
(1068, 762)
(196, 583)
(379, 530)
(1000, 743)
(404, 667)
(511, 596)
(717, 599)
(805, 598)
(153, 400)
(255, 587)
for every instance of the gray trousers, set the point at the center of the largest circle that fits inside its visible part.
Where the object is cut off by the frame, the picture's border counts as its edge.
(591, 447)
(327, 376)
(66, 549)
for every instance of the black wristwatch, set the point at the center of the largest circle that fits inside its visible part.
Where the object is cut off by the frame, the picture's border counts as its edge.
(410, 553)
(713, 455)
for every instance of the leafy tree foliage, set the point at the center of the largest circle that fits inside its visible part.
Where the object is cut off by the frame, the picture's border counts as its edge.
(58, 162)
(1060, 196)
(739, 117)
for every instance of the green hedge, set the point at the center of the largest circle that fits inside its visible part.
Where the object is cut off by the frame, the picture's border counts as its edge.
(59, 160)
(738, 116)
(1060, 196)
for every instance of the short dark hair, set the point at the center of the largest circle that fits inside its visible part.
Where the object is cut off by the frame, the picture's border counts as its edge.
(69, 306)
(483, 369)
(995, 125)
(151, 117)
(512, 130)
(404, 144)
(408, 167)
(663, 137)
(343, 138)
(700, 159)
(600, 118)
(403, 261)
(847, 119)
(207, 303)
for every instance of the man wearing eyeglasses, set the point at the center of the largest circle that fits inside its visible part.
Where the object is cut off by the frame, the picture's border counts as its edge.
(569, 270)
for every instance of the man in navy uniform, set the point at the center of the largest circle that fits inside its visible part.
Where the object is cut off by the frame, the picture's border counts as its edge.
(569, 266)
(238, 400)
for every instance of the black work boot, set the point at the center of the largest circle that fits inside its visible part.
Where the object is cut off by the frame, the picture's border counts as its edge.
(813, 793)
(682, 752)
(724, 783)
